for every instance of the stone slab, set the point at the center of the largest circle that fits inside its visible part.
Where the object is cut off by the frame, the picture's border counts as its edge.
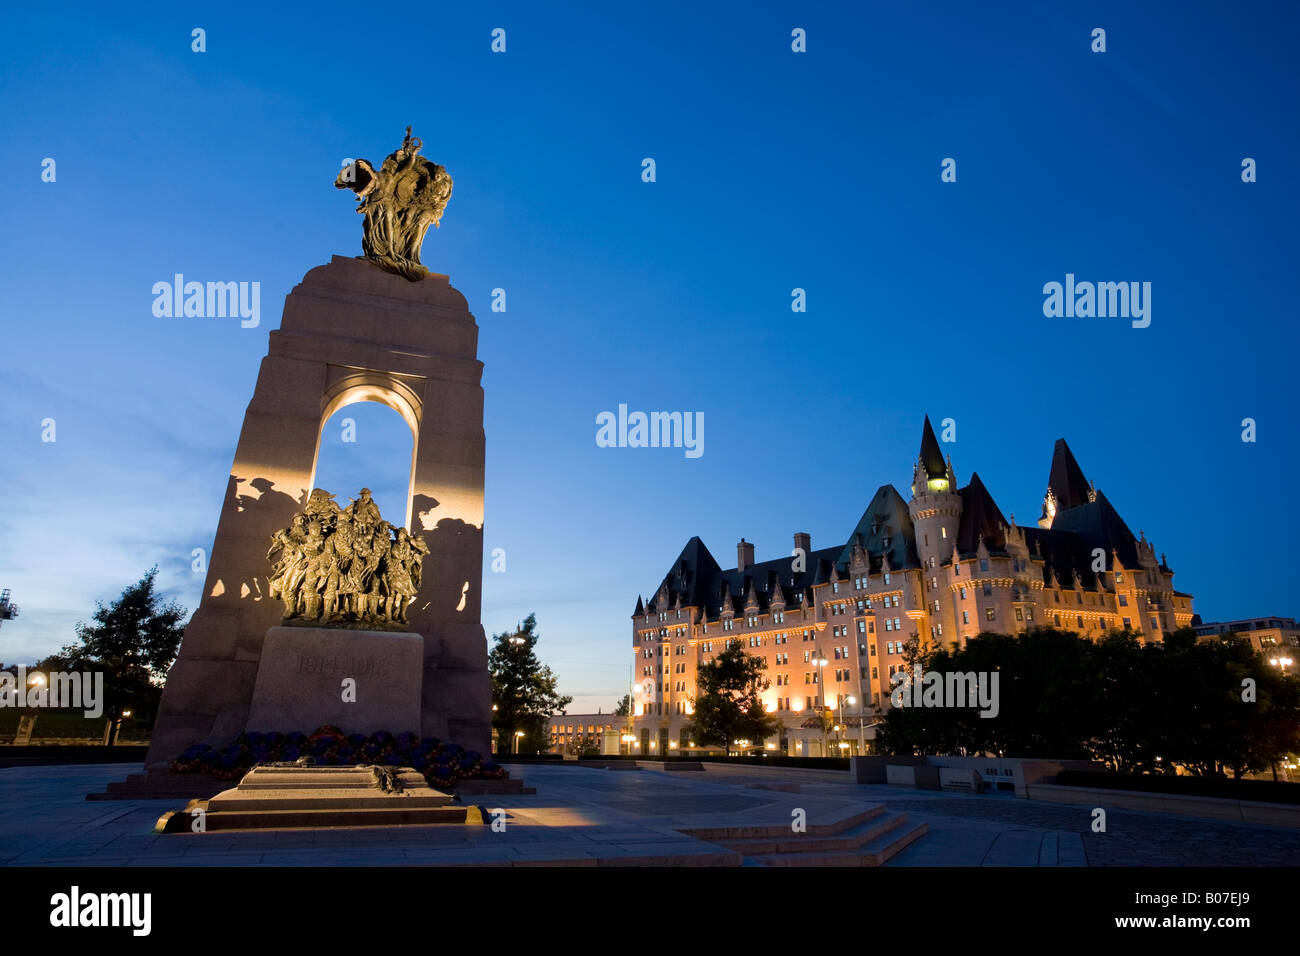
(300, 678)
(277, 798)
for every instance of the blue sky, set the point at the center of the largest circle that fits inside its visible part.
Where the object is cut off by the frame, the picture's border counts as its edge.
(775, 170)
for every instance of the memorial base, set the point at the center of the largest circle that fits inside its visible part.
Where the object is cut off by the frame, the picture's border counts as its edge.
(282, 798)
(358, 681)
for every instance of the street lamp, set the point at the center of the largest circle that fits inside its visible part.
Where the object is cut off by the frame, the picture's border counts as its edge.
(518, 739)
(821, 676)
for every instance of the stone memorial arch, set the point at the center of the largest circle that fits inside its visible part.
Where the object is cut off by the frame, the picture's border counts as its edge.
(354, 330)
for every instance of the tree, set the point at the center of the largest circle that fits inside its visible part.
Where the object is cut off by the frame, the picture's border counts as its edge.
(133, 642)
(624, 707)
(524, 692)
(1140, 708)
(729, 705)
(583, 746)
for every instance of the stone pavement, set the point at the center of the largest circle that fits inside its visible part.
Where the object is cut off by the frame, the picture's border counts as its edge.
(583, 816)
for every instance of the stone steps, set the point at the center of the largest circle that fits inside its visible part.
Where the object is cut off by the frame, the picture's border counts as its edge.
(179, 821)
(889, 838)
(782, 830)
(162, 785)
(849, 838)
(305, 800)
(484, 785)
(290, 798)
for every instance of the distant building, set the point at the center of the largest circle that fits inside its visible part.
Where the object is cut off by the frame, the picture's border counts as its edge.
(1263, 633)
(943, 567)
(566, 728)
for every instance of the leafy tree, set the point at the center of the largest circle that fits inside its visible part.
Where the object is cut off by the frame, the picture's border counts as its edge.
(624, 707)
(583, 746)
(729, 705)
(524, 691)
(1146, 708)
(133, 641)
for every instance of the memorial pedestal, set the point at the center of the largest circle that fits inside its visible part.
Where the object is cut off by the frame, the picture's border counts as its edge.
(358, 681)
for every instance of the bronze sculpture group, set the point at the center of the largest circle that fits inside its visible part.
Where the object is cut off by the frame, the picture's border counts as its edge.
(400, 201)
(345, 565)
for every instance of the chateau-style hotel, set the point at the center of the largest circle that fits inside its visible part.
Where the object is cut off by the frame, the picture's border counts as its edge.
(943, 566)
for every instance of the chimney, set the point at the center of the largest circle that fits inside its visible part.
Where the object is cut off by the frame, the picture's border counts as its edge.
(744, 555)
(803, 541)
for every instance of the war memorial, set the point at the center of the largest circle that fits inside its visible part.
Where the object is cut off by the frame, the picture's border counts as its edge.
(349, 619)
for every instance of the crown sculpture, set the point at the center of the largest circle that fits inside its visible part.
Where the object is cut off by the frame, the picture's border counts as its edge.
(345, 566)
(400, 200)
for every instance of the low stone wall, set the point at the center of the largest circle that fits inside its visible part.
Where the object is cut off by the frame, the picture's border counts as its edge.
(759, 773)
(1239, 811)
(1020, 772)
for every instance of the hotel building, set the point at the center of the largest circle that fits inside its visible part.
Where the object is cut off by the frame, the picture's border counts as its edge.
(942, 566)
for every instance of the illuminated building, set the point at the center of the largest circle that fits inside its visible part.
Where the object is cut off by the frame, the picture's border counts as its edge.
(832, 623)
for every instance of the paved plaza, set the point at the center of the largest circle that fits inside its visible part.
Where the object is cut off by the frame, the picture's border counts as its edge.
(586, 816)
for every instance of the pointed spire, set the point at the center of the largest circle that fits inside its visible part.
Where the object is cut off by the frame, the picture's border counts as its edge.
(640, 607)
(931, 457)
(1066, 482)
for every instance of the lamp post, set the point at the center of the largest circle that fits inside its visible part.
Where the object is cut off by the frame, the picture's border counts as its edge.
(821, 676)
(519, 736)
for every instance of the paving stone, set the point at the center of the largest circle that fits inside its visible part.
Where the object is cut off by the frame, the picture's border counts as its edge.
(593, 817)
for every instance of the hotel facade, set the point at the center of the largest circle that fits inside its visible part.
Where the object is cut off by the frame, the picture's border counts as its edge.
(942, 566)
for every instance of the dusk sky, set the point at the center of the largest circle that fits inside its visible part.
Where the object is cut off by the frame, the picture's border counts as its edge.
(775, 170)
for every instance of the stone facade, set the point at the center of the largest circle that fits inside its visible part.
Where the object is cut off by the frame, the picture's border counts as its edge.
(943, 566)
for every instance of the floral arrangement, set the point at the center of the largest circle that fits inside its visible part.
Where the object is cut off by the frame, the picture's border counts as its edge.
(441, 764)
